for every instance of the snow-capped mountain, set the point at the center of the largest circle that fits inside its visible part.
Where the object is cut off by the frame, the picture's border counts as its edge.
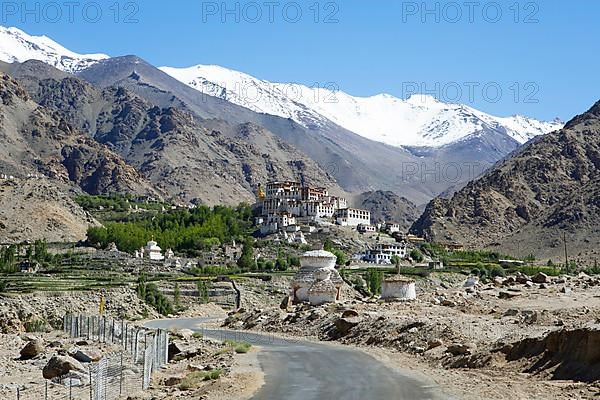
(418, 121)
(16, 45)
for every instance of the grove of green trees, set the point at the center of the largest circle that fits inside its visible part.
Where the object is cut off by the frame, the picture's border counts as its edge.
(184, 231)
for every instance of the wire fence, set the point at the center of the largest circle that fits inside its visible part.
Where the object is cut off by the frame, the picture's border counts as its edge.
(139, 353)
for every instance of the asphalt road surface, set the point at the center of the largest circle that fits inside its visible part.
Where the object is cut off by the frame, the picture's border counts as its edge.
(301, 370)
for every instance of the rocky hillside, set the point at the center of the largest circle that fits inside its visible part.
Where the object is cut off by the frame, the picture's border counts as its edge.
(525, 204)
(187, 157)
(38, 209)
(38, 140)
(388, 207)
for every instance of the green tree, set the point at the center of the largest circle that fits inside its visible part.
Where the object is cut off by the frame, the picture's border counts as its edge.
(202, 291)
(416, 255)
(374, 281)
(396, 261)
(246, 261)
(40, 252)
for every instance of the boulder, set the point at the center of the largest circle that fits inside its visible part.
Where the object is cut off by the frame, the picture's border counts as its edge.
(195, 367)
(498, 281)
(566, 290)
(458, 349)
(508, 295)
(87, 356)
(344, 325)
(32, 349)
(58, 366)
(186, 333)
(350, 314)
(173, 381)
(449, 303)
(511, 313)
(174, 350)
(461, 349)
(286, 303)
(540, 278)
(432, 344)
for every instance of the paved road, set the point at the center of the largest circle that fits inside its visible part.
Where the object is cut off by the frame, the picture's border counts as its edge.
(299, 370)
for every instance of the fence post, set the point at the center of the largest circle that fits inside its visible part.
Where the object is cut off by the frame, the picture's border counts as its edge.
(46, 389)
(121, 377)
(135, 351)
(18, 394)
(91, 384)
(70, 388)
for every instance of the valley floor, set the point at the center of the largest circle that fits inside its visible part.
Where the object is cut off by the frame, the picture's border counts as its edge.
(471, 342)
(501, 340)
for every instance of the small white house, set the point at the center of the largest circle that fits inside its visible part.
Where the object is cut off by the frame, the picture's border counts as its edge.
(362, 228)
(392, 228)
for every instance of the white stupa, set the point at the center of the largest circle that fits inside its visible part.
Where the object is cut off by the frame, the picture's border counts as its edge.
(317, 281)
(153, 251)
(398, 288)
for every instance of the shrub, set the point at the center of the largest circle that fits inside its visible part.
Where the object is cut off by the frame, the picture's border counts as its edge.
(36, 325)
(195, 379)
(496, 270)
(238, 347)
(150, 293)
(416, 255)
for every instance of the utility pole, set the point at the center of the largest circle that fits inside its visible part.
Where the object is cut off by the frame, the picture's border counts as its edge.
(566, 253)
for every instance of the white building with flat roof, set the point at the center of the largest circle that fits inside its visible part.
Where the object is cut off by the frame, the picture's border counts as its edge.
(277, 222)
(353, 217)
(383, 253)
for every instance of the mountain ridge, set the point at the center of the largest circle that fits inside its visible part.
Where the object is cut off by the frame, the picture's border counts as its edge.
(420, 120)
(548, 188)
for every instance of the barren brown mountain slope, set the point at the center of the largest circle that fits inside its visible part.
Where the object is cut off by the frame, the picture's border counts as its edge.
(524, 205)
(37, 140)
(386, 206)
(38, 209)
(189, 158)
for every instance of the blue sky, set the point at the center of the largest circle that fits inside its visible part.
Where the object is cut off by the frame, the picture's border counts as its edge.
(506, 57)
